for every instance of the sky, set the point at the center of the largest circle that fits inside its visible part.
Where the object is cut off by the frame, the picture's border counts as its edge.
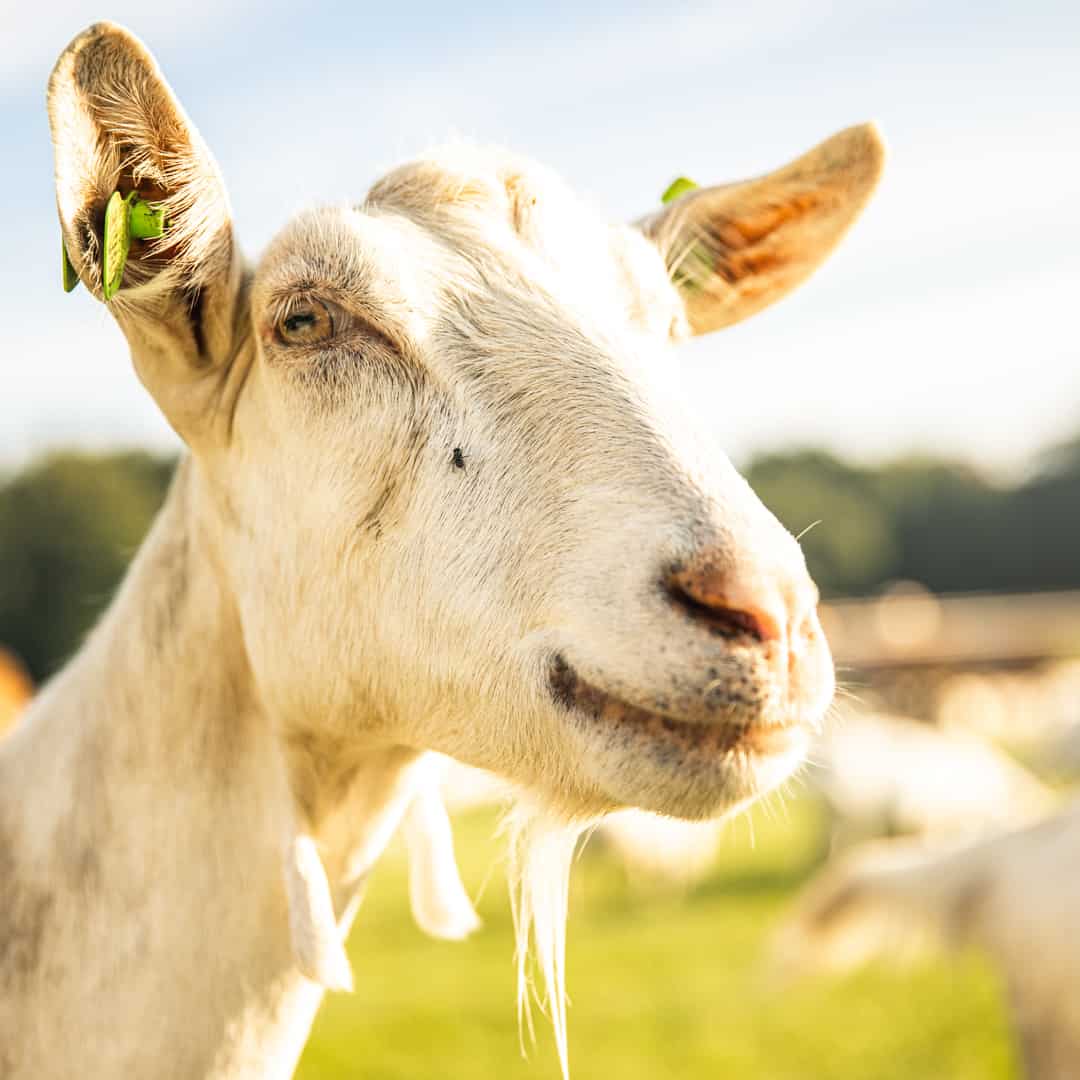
(945, 324)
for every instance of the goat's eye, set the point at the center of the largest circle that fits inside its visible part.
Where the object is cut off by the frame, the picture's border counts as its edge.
(308, 323)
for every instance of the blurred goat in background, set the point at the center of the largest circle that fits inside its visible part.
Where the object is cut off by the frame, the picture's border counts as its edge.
(1015, 894)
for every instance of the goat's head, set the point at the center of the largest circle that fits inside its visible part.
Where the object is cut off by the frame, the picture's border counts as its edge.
(446, 489)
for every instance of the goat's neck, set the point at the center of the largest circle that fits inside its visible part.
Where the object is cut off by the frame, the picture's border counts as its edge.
(145, 805)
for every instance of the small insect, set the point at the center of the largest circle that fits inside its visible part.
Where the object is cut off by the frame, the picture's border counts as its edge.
(458, 458)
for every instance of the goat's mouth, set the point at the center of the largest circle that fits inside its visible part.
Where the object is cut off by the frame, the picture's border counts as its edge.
(674, 737)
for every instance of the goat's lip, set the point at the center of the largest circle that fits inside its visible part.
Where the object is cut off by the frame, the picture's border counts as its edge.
(584, 699)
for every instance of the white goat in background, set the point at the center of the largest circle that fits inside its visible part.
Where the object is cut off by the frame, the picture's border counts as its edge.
(1033, 714)
(1015, 894)
(883, 774)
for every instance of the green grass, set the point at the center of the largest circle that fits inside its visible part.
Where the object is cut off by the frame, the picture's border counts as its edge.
(663, 985)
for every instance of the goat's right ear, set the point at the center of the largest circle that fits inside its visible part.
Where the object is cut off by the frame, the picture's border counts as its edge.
(116, 126)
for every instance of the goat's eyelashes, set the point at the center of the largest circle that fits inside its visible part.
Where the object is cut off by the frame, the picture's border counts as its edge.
(308, 322)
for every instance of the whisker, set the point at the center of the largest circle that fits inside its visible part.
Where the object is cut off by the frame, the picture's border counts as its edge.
(807, 529)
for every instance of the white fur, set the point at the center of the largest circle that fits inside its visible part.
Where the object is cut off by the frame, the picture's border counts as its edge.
(440, 904)
(316, 940)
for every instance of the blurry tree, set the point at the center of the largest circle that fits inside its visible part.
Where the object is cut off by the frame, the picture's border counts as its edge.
(70, 522)
(938, 522)
(68, 526)
(1042, 529)
(944, 517)
(850, 538)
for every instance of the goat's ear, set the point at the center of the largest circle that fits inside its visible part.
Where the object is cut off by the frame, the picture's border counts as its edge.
(116, 126)
(735, 249)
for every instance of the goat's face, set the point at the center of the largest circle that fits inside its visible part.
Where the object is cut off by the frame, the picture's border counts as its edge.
(454, 505)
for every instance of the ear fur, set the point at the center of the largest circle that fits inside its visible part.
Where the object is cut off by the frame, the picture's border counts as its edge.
(735, 249)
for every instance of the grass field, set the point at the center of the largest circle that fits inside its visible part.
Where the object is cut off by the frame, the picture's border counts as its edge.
(662, 985)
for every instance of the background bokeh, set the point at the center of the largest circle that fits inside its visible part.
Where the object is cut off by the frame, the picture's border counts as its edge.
(920, 398)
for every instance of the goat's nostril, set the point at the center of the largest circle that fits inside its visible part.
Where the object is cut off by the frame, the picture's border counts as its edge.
(717, 603)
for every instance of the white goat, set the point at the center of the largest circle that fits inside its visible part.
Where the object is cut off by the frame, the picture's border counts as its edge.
(1016, 894)
(433, 500)
(883, 774)
(1034, 714)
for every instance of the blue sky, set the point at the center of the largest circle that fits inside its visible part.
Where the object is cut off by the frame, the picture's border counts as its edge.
(946, 322)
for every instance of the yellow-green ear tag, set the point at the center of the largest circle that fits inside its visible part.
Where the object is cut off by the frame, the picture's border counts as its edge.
(117, 245)
(125, 218)
(677, 188)
(70, 278)
(695, 264)
(147, 220)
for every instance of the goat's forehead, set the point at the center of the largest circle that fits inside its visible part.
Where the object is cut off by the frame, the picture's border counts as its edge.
(458, 221)
(459, 194)
(347, 249)
(483, 198)
(463, 181)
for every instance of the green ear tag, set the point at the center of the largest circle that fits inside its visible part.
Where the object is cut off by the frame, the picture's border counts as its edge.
(124, 219)
(70, 278)
(117, 244)
(677, 188)
(147, 221)
(695, 265)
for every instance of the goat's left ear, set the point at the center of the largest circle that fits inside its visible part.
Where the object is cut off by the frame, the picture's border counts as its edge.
(117, 127)
(735, 249)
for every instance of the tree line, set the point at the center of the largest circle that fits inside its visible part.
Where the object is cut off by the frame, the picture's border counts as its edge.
(70, 522)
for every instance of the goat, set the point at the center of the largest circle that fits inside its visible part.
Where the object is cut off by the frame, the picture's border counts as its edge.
(1016, 894)
(434, 498)
(884, 774)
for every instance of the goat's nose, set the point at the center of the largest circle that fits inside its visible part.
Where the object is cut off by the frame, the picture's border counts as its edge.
(733, 601)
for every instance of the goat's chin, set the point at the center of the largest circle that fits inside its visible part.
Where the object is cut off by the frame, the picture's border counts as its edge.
(681, 768)
(682, 779)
